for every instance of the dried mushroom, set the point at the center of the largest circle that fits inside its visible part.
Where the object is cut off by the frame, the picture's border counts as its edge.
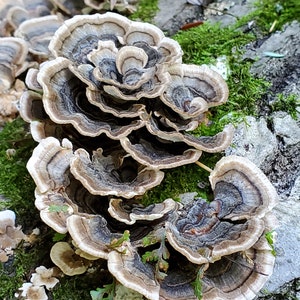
(10, 235)
(44, 277)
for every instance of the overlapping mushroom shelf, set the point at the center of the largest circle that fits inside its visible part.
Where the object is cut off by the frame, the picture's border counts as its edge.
(111, 111)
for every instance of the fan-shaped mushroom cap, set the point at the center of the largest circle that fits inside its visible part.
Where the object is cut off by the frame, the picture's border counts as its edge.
(13, 52)
(66, 103)
(241, 189)
(130, 271)
(209, 231)
(202, 237)
(116, 174)
(241, 275)
(38, 32)
(65, 258)
(80, 35)
(55, 207)
(193, 89)
(129, 214)
(91, 234)
(157, 153)
(31, 106)
(31, 80)
(211, 144)
(49, 163)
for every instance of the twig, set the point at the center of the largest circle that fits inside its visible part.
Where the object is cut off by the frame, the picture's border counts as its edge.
(201, 165)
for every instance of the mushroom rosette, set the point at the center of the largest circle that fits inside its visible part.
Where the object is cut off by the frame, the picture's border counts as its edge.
(124, 80)
(111, 111)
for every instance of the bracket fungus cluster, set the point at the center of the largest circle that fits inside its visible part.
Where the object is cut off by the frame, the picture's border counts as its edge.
(111, 111)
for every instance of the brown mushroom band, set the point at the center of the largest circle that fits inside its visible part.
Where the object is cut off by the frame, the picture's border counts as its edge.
(111, 110)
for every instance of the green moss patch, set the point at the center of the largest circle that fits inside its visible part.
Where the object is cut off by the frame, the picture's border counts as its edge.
(146, 10)
(16, 185)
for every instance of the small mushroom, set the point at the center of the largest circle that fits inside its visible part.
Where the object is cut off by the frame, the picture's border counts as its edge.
(7, 218)
(130, 271)
(116, 174)
(65, 258)
(10, 235)
(44, 277)
(129, 214)
(32, 292)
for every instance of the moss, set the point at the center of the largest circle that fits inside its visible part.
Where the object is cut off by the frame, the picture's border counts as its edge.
(146, 10)
(290, 104)
(189, 178)
(203, 44)
(269, 11)
(16, 185)
(20, 266)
